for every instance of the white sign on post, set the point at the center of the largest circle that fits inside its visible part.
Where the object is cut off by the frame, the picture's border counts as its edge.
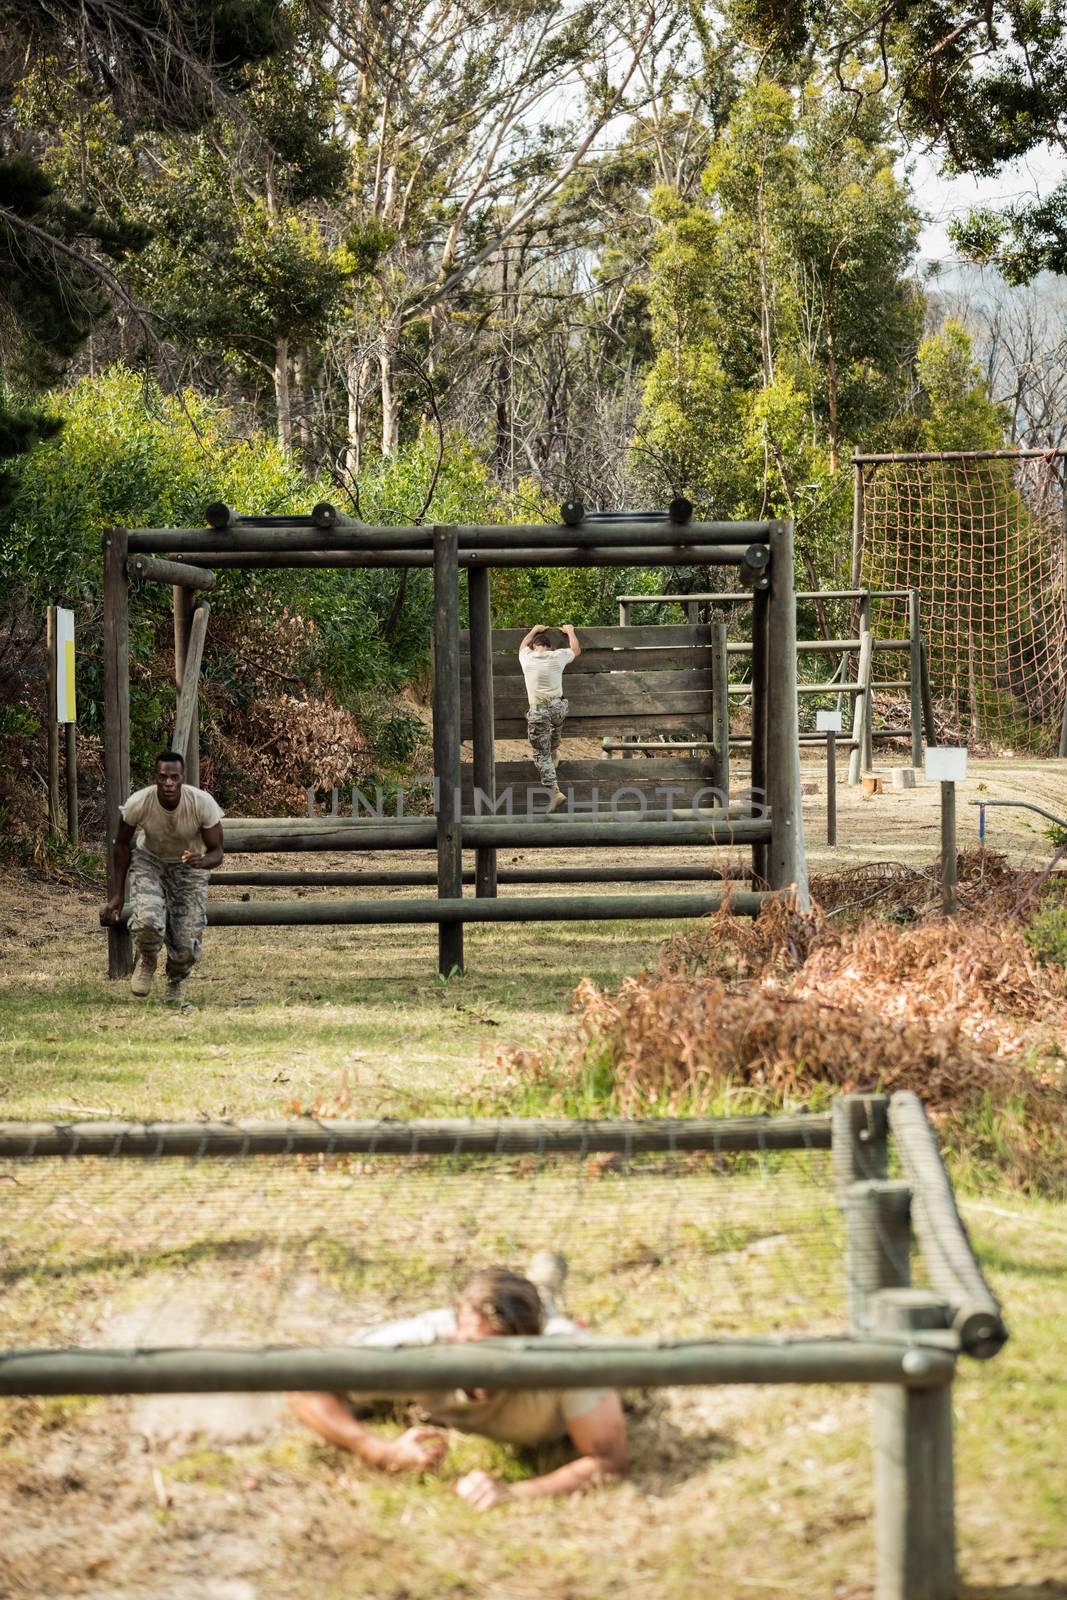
(66, 707)
(828, 721)
(946, 763)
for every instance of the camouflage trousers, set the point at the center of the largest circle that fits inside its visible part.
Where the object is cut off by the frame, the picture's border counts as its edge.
(545, 727)
(168, 906)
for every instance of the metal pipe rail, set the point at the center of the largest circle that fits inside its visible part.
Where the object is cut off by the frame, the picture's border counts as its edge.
(514, 1363)
(437, 1136)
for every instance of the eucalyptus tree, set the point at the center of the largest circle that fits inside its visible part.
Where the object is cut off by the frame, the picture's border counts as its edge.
(466, 119)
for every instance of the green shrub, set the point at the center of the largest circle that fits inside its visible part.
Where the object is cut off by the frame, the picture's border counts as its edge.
(1047, 934)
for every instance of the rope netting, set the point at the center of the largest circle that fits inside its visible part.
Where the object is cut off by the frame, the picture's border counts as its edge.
(983, 542)
(313, 1249)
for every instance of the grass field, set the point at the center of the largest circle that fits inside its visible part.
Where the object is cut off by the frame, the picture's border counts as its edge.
(744, 1492)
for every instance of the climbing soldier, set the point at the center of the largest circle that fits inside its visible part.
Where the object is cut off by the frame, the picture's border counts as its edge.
(178, 841)
(542, 667)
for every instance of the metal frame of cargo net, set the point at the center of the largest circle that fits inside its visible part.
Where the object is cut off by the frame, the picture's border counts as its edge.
(188, 559)
(903, 1341)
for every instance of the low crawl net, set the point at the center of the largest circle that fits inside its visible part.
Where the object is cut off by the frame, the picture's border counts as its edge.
(137, 1252)
(983, 540)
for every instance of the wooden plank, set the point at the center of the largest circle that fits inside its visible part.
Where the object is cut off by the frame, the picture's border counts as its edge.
(190, 689)
(513, 1363)
(51, 723)
(611, 696)
(583, 725)
(647, 659)
(611, 638)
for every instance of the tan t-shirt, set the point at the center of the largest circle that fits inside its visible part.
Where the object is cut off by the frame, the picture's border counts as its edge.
(511, 1416)
(167, 834)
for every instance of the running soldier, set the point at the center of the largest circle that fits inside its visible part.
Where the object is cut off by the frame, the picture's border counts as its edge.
(543, 667)
(176, 837)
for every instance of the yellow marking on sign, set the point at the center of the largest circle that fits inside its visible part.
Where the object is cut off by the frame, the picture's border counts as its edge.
(71, 711)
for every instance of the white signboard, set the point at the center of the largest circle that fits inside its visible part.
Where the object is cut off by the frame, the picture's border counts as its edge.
(946, 763)
(828, 721)
(66, 708)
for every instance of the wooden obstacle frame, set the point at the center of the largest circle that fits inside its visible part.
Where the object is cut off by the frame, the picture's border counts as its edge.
(682, 689)
(903, 1341)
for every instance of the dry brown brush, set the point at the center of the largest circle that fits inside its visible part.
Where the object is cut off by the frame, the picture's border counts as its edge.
(792, 1007)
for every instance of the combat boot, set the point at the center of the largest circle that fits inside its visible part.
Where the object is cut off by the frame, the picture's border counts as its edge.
(143, 973)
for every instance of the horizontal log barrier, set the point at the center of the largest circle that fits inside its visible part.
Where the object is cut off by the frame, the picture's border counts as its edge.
(547, 832)
(441, 1136)
(943, 1240)
(540, 1363)
(404, 877)
(401, 912)
(150, 569)
(827, 646)
(643, 555)
(739, 810)
(258, 537)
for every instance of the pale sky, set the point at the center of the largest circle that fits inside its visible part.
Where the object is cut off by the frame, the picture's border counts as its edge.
(941, 199)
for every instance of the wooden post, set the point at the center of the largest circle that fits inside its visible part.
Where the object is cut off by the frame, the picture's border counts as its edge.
(877, 1246)
(786, 861)
(53, 726)
(446, 742)
(915, 674)
(857, 523)
(949, 861)
(914, 1494)
(624, 613)
(116, 648)
(831, 787)
(758, 771)
(720, 708)
(859, 1141)
(861, 712)
(692, 612)
(482, 729)
(183, 615)
(185, 715)
(72, 784)
(927, 698)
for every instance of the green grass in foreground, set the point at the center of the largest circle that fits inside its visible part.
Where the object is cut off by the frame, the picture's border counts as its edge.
(279, 1017)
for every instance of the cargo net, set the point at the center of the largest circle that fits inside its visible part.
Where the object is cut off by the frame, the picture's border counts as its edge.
(313, 1250)
(983, 542)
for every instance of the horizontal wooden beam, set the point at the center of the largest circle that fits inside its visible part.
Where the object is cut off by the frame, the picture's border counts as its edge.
(539, 908)
(655, 635)
(741, 595)
(582, 724)
(642, 555)
(677, 658)
(440, 1136)
(549, 833)
(181, 573)
(494, 1364)
(342, 534)
(410, 877)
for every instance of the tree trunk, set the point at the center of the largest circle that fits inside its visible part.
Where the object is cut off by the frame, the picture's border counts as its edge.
(302, 398)
(356, 375)
(281, 393)
(390, 413)
(831, 396)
